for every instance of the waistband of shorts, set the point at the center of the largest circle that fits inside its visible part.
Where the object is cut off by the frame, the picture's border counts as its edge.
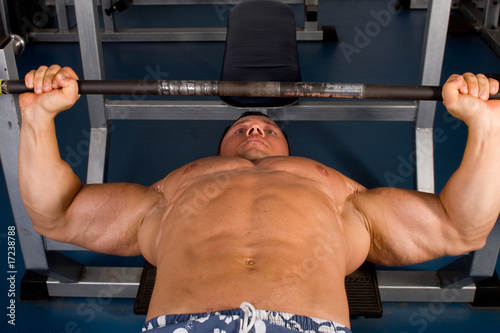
(294, 322)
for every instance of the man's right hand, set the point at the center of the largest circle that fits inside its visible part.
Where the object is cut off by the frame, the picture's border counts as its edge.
(55, 90)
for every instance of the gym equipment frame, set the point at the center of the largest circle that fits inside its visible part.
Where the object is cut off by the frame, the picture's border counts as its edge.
(109, 33)
(485, 21)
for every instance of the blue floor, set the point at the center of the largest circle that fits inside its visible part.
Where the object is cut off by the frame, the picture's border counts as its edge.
(145, 151)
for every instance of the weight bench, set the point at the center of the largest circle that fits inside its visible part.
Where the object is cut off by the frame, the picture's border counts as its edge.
(261, 45)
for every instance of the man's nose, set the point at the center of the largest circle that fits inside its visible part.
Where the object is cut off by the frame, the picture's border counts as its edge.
(255, 130)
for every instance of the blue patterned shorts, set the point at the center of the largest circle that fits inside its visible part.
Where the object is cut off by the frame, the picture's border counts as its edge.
(243, 320)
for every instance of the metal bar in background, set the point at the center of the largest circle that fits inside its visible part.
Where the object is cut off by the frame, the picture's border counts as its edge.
(301, 111)
(62, 16)
(491, 14)
(419, 286)
(155, 35)
(179, 2)
(93, 69)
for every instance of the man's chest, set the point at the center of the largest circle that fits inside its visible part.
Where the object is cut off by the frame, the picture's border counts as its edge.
(211, 177)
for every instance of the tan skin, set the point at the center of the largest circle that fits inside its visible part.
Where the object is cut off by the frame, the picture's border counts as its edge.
(255, 224)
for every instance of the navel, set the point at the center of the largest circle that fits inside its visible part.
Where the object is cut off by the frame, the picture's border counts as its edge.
(322, 170)
(250, 262)
(190, 168)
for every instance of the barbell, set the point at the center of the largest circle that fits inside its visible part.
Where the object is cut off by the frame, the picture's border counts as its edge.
(246, 89)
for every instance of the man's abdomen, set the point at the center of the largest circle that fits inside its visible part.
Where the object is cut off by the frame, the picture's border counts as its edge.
(278, 247)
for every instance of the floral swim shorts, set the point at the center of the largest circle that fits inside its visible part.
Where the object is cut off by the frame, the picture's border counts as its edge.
(242, 320)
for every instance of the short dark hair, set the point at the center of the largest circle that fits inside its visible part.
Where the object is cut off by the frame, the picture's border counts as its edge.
(248, 114)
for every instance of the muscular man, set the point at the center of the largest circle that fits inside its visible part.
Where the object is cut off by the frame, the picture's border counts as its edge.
(241, 227)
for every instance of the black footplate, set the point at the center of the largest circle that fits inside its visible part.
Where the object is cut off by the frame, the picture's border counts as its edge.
(145, 291)
(361, 287)
(362, 292)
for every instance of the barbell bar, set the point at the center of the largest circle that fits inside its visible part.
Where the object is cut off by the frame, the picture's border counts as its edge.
(246, 89)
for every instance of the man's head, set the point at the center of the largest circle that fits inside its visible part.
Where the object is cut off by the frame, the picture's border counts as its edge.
(253, 136)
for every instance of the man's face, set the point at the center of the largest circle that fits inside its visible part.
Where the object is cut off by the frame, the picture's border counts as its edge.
(253, 138)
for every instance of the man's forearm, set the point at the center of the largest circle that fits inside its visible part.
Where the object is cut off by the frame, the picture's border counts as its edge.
(47, 183)
(472, 195)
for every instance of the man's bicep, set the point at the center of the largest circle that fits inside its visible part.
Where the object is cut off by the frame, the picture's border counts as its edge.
(406, 227)
(106, 218)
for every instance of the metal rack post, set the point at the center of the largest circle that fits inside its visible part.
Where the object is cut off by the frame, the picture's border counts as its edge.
(31, 243)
